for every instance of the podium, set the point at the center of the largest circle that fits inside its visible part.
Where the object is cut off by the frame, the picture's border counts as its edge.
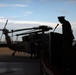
(57, 49)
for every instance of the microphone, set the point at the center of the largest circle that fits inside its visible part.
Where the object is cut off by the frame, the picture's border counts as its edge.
(55, 27)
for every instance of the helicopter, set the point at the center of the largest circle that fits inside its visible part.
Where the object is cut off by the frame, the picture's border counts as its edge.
(29, 43)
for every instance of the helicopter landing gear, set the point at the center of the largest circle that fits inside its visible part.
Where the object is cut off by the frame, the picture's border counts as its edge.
(13, 53)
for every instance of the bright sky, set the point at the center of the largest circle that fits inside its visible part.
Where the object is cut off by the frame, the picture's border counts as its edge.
(32, 13)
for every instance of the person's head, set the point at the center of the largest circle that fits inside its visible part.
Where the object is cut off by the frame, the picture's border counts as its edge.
(61, 19)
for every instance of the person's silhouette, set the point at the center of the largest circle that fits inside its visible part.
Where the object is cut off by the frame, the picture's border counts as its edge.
(68, 37)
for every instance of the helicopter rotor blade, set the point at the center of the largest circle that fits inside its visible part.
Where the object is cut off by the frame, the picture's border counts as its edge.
(45, 28)
(1, 37)
(6, 23)
(12, 36)
(3, 28)
(28, 33)
(16, 38)
(19, 30)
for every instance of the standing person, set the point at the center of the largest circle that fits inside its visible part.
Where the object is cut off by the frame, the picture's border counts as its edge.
(67, 39)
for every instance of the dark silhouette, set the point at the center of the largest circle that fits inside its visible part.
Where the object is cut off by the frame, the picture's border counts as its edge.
(68, 37)
(23, 46)
(27, 44)
(13, 46)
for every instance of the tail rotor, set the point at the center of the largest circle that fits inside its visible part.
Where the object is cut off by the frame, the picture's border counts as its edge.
(3, 28)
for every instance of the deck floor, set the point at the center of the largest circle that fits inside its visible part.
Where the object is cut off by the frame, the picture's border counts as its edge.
(20, 68)
(20, 64)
